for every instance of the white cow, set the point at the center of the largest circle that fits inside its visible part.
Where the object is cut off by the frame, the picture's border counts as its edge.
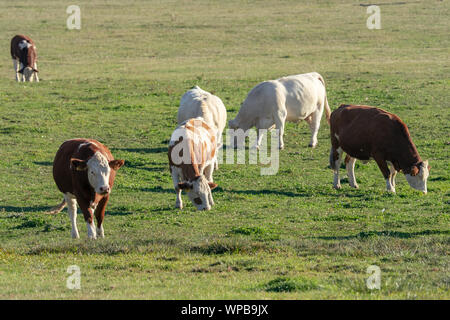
(200, 103)
(291, 98)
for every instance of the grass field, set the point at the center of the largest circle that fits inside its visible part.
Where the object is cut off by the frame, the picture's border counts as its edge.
(289, 236)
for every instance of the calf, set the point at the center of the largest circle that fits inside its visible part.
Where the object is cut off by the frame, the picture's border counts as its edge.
(200, 103)
(24, 56)
(84, 171)
(366, 133)
(192, 153)
(293, 98)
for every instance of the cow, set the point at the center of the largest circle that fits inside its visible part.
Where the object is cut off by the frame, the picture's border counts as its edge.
(365, 133)
(84, 171)
(192, 153)
(24, 56)
(200, 103)
(292, 98)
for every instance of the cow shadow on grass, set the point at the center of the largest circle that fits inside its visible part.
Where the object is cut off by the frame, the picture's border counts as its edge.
(141, 166)
(117, 212)
(385, 233)
(24, 209)
(269, 192)
(298, 193)
(142, 150)
(43, 163)
(157, 190)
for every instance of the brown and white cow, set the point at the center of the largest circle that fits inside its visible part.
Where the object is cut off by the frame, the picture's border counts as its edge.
(192, 155)
(84, 171)
(366, 133)
(24, 56)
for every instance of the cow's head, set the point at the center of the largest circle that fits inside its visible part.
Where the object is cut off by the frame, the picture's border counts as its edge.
(232, 124)
(418, 176)
(199, 192)
(98, 171)
(28, 73)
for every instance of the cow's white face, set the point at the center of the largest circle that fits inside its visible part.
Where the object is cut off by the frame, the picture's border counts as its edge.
(418, 177)
(98, 172)
(199, 192)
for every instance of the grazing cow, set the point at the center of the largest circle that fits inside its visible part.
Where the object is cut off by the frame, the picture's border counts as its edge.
(192, 153)
(291, 98)
(365, 133)
(84, 171)
(24, 56)
(199, 103)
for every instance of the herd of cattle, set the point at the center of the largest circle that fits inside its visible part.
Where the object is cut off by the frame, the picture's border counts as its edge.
(84, 169)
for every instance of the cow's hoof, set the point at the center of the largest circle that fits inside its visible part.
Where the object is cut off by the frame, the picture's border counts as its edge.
(312, 145)
(178, 206)
(337, 187)
(100, 233)
(355, 186)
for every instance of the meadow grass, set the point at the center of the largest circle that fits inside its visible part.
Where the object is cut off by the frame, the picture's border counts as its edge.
(288, 236)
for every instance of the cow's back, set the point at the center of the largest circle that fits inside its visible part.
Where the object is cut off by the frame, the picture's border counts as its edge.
(199, 103)
(261, 101)
(304, 92)
(14, 46)
(363, 130)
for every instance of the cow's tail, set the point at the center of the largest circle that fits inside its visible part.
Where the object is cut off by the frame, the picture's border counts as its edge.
(327, 107)
(58, 208)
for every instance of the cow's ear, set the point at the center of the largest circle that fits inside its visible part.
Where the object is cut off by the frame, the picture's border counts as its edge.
(414, 171)
(116, 164)
(185, 185)
(212, 185)
(77, 164)
(21, 70)
(35, 70)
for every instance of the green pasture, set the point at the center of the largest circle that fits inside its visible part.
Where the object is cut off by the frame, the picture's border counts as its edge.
(286, 236)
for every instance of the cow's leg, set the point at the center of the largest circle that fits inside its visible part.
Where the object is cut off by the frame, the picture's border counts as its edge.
(100, 215)
(335, 163)
(393, 173)
(21, 75)
(36, 74)
(261, 124)
(88, 217)
(259, 137)
(280, 119)
(350, 165)
(176, 180)
(16, 64)
(385, 171)
(72, 211)
(314, 125)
